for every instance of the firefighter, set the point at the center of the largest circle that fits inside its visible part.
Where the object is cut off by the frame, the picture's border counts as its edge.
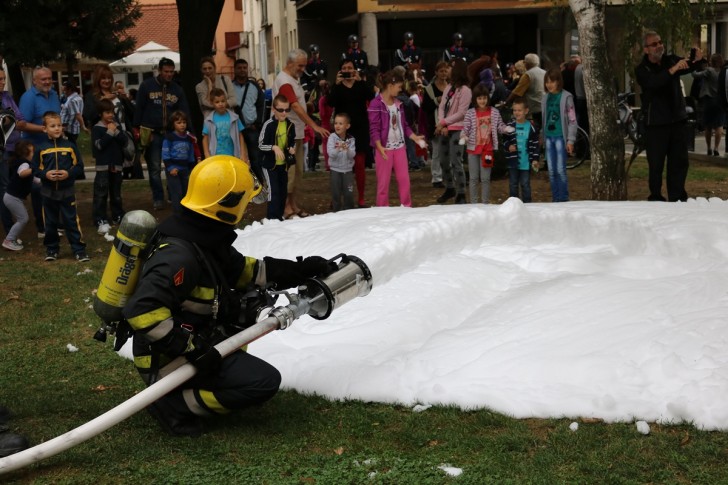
(189, 298)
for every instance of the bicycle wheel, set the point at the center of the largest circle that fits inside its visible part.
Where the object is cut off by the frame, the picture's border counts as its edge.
(581, 149)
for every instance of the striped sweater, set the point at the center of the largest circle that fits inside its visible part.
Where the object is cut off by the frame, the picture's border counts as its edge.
(470, 127)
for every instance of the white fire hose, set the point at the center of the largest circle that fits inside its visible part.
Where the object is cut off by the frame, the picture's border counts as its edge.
(318, 298)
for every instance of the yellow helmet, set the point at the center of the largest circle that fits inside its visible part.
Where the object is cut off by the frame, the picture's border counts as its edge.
(220, 188)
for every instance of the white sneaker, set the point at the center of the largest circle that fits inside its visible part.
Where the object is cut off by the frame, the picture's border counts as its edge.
(103, 228)
(12, 245)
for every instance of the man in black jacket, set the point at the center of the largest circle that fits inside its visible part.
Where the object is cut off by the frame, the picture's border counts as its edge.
(158, 97)
(189, 296)
(663, 105)
(250, 108)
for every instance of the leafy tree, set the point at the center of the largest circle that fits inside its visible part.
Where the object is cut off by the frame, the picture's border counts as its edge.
(36, 32)
(660, 15)
(198, 21)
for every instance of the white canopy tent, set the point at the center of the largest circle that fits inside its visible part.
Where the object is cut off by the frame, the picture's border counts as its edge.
(144, 59)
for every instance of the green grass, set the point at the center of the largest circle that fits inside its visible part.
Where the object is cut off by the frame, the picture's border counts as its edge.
(294, 439)
(700, 171)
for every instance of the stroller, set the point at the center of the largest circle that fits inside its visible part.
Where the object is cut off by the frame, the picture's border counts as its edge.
(7, 125)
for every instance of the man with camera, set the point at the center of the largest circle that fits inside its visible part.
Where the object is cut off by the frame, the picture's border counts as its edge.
(350, 95)
(663, 105)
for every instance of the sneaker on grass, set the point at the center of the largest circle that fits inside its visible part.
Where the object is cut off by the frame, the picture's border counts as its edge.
(51, 255)
(82, 257)
(12, 245)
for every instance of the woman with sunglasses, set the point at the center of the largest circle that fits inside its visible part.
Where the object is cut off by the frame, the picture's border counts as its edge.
(387, 131)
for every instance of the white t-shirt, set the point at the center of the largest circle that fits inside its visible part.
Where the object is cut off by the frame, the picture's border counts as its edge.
(395, 139)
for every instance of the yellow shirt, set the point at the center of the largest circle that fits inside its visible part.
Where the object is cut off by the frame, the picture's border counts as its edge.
(282, 139)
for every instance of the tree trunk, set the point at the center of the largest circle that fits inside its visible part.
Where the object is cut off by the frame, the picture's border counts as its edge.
(15, 73)
(608, 177)
(197, 24)
(70, 68)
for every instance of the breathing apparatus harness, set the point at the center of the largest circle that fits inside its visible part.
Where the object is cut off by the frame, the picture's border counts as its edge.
(318, 296)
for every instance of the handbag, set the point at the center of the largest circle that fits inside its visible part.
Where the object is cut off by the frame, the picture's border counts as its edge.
(129, 147)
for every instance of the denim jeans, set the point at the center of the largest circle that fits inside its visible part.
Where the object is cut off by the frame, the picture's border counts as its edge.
(107, 186)
(451, 160)
(556, 157)
(520, 178)
(177, 186)
(153, 157)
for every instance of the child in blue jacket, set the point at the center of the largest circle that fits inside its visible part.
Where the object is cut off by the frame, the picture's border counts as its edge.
(180, 153)
(58, 164)
(522, 150)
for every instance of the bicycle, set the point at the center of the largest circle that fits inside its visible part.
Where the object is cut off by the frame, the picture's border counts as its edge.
(629, 120)
(628, 116)
(582, 149)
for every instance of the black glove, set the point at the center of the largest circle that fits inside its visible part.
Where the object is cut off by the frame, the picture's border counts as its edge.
(287, 274)
(316, 266)
(205, 358)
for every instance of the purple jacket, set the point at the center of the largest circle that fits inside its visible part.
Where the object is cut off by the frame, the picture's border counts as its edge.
(379, 121)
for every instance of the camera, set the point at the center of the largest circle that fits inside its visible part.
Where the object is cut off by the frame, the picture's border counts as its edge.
(290, 159)
(692, 54)
(346, 75)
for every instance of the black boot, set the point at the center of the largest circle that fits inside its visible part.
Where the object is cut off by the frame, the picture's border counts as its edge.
(460, 199)
(447, 195)
(176, 419)
(11, 443)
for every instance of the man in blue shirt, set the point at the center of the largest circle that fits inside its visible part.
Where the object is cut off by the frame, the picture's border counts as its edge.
(40, 98)
(34, 103)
